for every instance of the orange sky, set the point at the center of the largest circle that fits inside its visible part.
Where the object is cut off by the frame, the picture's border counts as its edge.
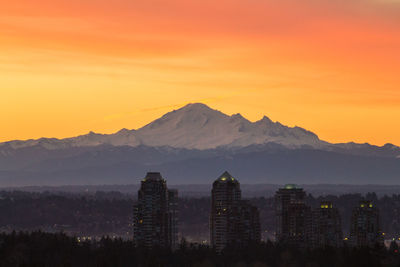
(68, 67)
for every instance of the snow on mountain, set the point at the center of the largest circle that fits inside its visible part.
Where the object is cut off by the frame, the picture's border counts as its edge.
(196, 126)
(122, 138)
(387, 150)
(91, 139)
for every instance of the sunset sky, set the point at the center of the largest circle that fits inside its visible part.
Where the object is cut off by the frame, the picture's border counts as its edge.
(68, 67)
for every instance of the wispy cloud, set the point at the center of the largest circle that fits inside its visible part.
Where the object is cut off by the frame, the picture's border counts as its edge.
(110, 64)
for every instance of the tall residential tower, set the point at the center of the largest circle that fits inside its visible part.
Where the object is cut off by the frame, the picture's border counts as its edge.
(233, 221)
(155, 214)
(294, 220)
(365, 228)
(327, 226)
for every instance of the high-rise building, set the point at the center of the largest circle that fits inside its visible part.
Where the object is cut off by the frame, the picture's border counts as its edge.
(155, 214)
(233, 222)
(294, 220)
(173, 216)
(249, 223)
(327, 226)
(365, 229)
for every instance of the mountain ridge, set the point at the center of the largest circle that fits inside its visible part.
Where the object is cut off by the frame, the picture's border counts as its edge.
(197, 126)
(276, 164)
(192, 145)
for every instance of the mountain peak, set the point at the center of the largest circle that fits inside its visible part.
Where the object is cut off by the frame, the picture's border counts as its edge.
(196, 107)
(265, 119)
(124, 131)
(238, 117)
(197, 126)
(389, 145)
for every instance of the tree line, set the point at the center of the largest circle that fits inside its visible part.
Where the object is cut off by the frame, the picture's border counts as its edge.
(53, 250)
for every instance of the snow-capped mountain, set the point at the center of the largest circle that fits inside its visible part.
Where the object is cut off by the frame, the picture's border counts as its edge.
(195, 126)
(193, 144)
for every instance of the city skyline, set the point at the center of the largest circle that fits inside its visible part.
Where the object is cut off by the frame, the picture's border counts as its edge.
(234, 222)
(69, 67)
(200, 133)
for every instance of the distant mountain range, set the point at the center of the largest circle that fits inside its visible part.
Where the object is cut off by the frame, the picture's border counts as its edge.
(193, 145)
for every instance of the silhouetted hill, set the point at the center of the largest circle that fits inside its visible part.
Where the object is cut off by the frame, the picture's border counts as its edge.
(125, 165)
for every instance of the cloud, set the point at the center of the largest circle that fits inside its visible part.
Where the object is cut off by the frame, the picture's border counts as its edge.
(283, 56)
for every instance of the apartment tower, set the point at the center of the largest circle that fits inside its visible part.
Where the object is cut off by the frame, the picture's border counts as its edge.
(233, 221)
(156, 213)
(294, 219)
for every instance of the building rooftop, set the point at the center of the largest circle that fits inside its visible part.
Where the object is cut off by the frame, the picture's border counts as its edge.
(226, 177)
(326, 205)
(291, 186)
(366, 204)
(153, 176)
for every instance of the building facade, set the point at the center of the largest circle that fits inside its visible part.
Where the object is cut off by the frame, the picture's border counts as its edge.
(233, 222)
(156, 213)
(365, 228)
(249, 223)
(293, 217)
(327, 226)
(173, 217)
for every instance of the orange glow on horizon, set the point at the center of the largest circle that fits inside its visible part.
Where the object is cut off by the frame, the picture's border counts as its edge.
(68, 67)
